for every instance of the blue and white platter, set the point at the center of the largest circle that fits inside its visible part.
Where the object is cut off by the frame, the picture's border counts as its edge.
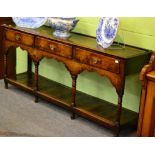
(106, 31)
(29, 22)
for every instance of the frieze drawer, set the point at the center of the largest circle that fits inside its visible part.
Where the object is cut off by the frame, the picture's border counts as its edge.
(97, 60)
(54, 47)
(19, 37)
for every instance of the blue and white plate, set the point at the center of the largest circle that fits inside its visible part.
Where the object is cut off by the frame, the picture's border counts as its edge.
(29, 22)
(106, 31)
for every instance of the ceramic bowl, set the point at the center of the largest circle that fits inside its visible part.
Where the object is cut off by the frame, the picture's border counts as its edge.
(62, 26)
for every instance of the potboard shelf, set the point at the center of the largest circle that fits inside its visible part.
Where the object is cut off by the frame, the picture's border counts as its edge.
(87, 106)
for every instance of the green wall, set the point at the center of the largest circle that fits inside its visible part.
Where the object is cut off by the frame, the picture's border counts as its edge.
(135, 31)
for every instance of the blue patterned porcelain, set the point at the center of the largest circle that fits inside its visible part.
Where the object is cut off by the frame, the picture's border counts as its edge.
(106, 31)
(62, 25)
(29, 22)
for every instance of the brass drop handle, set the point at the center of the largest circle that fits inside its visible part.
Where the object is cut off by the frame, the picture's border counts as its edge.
(95, 60)
(116, 61)
(52, 47)
(63, 54)
(18, 37)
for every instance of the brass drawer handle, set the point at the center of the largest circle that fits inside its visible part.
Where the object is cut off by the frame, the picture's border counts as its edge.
(116, 61)
(63, 54)
(52, 47)
(95, 60)
(18, 37)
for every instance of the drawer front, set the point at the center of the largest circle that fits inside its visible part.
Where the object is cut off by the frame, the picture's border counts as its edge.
(97, 60)
(19, 37)
(54, 47)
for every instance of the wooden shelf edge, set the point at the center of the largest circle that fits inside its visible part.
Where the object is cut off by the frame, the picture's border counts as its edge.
(55, 101)
(19, 85)
(98, 119)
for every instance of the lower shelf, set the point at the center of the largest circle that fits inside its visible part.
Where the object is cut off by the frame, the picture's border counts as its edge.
(87, 106)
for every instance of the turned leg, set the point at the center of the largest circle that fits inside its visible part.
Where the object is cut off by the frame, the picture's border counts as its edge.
(73, 104)
(36, 81)
(29, 66)
(119, 110)
(5, 71)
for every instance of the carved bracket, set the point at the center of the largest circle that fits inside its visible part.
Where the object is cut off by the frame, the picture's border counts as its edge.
(35, 54)
(76, 68)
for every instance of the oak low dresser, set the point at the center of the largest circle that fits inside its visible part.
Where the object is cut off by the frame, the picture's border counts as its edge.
(78, 53)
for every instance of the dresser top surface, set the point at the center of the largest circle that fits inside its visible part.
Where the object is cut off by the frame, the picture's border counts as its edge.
(84, 42)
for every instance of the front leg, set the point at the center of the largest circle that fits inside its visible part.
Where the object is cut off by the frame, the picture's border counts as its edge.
(36, 81)
(73, 104)
(119, 111)
(29, 66)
